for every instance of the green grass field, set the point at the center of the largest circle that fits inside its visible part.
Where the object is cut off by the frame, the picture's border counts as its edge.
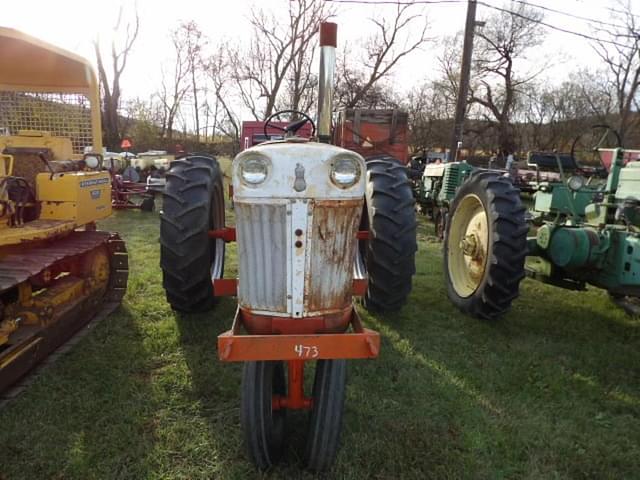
(550, 391)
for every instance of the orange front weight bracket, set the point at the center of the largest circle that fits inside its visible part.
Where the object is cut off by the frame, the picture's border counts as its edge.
(228, 234)
(360, 342)
(225, 287)
(295, 399)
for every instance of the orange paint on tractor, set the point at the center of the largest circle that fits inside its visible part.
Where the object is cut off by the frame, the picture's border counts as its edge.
(269, 324)
(295, 399)
(360, 342)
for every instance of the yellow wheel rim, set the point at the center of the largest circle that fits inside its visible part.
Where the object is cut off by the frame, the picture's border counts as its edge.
(468, 246)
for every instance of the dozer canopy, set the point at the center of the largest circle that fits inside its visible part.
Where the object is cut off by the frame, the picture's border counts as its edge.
(33, 67)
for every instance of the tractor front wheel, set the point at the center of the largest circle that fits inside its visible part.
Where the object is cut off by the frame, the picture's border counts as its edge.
(148, 204)
(440, 221)
(193, 204)
(325, 424)
(485, 246)
(388, 256)
(263, 425)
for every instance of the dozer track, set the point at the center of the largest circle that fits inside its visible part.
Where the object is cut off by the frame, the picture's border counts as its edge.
(31, 343)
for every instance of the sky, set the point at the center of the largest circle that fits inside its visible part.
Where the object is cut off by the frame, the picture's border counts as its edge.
(73, 24)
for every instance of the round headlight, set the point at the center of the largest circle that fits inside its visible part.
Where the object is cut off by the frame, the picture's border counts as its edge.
(254, 170)
(575, 182)
(91, 161)
(345, 171)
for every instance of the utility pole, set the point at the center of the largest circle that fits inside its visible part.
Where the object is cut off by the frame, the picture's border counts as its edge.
(463, 88)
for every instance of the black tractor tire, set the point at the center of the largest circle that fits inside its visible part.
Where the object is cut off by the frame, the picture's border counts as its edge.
(485, 291)
(325, 423)
(193, 204)
(388, 256)
(264, 428)
(440, 221)
(147, 205)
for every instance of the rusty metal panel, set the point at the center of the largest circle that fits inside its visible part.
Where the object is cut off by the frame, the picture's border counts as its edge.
(328, 279)
(261, 231)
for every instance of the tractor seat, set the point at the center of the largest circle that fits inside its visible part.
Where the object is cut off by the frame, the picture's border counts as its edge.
(547, 161)
(27, 163)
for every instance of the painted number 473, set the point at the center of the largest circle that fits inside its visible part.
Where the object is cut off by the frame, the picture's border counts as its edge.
(304, 351)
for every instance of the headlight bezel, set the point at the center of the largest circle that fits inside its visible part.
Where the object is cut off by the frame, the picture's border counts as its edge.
(255, 158)
(334, 174)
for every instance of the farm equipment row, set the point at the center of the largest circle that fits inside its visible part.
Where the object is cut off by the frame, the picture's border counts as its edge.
(323, 215)
(131, 195)
(587, 228)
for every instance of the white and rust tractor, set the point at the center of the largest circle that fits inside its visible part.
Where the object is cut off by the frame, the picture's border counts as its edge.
(316, 224)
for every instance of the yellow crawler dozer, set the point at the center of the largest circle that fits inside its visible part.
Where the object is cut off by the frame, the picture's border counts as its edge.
(56, 270)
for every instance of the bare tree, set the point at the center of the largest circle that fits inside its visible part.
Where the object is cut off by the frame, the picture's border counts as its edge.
(352, 90)
(145, 117)
(219, 68)
(279, 55)
(174, 88)
(194, 41)
(430, 107)
(620, 52)
(110, 85)
(394, 40)
(507, 36)
(551, 116)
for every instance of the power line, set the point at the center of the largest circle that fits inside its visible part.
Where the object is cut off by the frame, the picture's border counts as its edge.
(607, 8)
(578, 17)
(554, 27)
(505, 10)
(396, 2)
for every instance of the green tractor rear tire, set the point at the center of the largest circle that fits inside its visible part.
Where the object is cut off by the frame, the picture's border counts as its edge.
(193, 204)
(387, 258)
(485, 245)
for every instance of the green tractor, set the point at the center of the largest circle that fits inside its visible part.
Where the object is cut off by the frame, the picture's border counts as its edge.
(436, 188)
(585, 231)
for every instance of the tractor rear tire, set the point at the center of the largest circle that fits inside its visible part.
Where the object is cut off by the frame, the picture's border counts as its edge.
(193, 204)
(325, 424)
(485, 246)
(263, 427)
(388, 256)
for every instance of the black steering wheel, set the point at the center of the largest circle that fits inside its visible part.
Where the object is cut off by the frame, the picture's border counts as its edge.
(292, 127)
(584, 150)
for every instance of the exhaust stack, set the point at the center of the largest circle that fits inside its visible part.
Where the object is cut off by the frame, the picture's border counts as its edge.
(328, 43)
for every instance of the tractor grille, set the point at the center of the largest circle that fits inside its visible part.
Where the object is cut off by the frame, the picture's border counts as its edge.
(450, 183)
(330, 275)
(262, 255)
(61, 114)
